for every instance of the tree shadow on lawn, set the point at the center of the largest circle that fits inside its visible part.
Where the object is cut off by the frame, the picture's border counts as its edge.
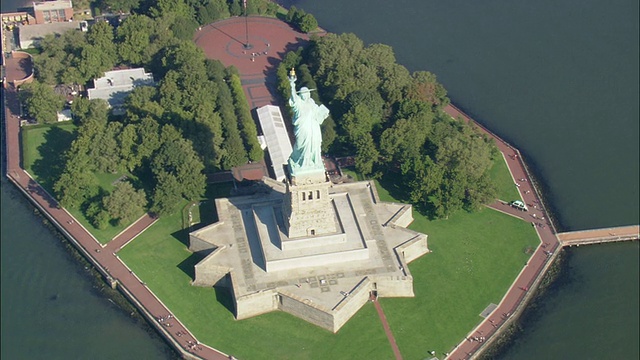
(52, 160)
(392, 182)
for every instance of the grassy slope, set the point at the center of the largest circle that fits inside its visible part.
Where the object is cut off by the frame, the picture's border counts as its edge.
(475, 258)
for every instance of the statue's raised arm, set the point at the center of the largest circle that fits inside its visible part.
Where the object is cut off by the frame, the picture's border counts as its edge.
(307, 117)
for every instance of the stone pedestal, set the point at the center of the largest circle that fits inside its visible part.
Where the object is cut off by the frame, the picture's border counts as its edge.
(307, 208)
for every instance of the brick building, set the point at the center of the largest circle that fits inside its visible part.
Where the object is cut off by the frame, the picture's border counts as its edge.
(53, 11)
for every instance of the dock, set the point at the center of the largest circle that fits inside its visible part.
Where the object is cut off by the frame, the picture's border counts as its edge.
(598, 236)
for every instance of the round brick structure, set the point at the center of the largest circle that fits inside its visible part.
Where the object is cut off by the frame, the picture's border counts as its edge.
(254, 45)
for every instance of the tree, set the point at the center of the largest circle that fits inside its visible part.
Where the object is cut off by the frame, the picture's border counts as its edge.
(142, 102)
(104, 152)
(177, 158)
(84, 110)
(233, 151)
(307, 23)
(140, 38)
(335, 59)
(424, 87)
(212, 10)
(75, 186)
(329, 135)
(291, 14)
(98, 216)
(100, 54)
(235, 7)
(247, 124)
(166, 194)
(50, 62)
(120, 6)
(148, 131)
(125, 203)
(41, 102)
(403, 141)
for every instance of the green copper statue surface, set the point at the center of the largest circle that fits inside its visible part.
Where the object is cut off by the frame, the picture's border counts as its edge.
(307, 117)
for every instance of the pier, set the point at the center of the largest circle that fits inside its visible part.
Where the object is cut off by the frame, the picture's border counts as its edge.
(598, 236)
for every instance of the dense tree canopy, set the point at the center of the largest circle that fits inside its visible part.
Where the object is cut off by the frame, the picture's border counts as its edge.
(197, 120)
(392, 121)
(41, 102)
(125, 203)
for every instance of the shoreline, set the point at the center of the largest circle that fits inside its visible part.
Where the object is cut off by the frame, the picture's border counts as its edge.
(84, 248)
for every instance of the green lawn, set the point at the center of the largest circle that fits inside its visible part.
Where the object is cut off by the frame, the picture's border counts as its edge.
(43, 148)
(475, 257)
(507, 190)
(160, 258)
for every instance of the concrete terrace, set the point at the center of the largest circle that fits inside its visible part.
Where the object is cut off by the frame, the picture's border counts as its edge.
(369, 252)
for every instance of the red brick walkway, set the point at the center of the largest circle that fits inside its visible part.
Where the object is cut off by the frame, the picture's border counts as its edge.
(387, 329)
(224, 41)
(104, 258)
(269, 40)
(549, 244)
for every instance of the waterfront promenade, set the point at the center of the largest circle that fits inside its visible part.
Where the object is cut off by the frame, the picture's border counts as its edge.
(550, 245)
(270, 41)
(272, 38)
(104, 258)
(598, 236)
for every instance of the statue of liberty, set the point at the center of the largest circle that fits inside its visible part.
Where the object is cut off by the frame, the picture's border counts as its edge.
(307, 117)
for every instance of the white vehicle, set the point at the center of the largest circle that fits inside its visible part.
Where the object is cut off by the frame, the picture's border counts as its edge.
(519, 205)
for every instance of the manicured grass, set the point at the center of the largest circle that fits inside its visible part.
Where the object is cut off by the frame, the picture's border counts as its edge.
(102, 235)
(475, 258)
(43, 149)
(106, 182)
(160, 258)
(507, 190)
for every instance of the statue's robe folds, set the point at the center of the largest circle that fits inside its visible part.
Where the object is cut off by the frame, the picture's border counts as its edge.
(307, 151)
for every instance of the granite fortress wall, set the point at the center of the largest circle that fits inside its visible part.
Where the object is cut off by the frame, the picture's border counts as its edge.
(323, 279)
(329, 319)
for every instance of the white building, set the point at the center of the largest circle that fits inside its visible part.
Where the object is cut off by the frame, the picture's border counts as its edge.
(276, 137)
(115, 85)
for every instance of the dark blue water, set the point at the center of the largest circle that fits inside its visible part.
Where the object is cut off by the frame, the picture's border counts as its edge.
(52, 308)
(558, 79)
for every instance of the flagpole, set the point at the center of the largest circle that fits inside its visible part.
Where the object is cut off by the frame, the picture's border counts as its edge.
(246, 25)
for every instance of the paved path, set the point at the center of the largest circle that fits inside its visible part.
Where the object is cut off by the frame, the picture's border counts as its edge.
(224, 40)
(104, 258)
(269, 39)
(620, 233)
(387, 328)
(549, 244)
